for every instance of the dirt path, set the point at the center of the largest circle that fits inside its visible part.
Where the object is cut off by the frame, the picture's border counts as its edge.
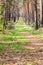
(35, 43)
(35, 46)
(34, 53)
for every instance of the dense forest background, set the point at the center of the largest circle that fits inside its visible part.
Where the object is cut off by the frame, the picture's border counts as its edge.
(21, 32)
(30, 11)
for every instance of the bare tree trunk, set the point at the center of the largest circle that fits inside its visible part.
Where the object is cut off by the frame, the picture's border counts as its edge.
(36, 27)
(28, 12)
(42, 13)
(32, 12)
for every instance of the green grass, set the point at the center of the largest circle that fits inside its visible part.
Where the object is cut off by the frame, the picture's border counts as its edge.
(13, 37)
(17, 46)
(21, 26)
(30, 63)
(2, 46)
(38, 33)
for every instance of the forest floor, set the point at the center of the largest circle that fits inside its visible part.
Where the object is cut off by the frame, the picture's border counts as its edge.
(30, 50)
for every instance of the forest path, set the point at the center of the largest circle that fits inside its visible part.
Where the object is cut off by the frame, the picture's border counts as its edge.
(35, 46)
(33, 56)
(33, 40)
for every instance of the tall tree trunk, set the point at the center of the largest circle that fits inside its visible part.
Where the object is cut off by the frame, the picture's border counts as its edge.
(32, 12)
(42, 13)
(6, 14)
(36, 27)
(28, 11)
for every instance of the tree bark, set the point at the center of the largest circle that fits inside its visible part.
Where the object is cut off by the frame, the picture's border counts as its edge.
(36, 27)
(42, 13)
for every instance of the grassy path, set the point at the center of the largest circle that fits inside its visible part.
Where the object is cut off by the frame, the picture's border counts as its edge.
(33, 55)
(23, 48)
